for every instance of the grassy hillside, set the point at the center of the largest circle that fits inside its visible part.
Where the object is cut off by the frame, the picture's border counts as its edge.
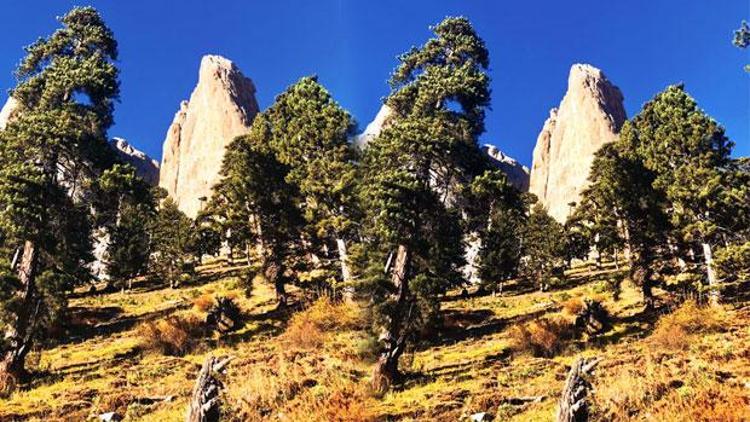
(315, 364)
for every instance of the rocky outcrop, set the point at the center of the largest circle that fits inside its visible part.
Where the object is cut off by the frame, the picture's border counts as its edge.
(221, 107)
(145, 167)
(7, 112)
(590, 115)
(518, 175)
(374, 128)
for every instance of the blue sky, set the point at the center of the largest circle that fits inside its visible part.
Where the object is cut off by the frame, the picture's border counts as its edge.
(642, 46)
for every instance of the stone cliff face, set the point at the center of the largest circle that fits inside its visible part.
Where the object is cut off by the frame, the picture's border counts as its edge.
(7, 111)
(374, 128)
(590, 115)
(221, 107)
(145, 167)
(518, 175)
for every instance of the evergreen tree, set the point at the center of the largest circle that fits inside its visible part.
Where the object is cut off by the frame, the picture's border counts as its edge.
(621, 202)
(259, 206)
(127, 209)
(496, 212)
(439, 94)
(173, 240)
(689, 155)
(543, 247)
(310, 135)
(49, 153)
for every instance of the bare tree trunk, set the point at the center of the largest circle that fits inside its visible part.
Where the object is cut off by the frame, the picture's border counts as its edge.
(386, 371)
(346, 274)
(713, 294)
(19, 332)
(573, 405)
(204, 405)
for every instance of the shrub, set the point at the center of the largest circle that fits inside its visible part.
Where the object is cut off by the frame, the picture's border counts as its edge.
(174, 335)
(204, 302)
(673, 330)
(542, 338)
(306, 329)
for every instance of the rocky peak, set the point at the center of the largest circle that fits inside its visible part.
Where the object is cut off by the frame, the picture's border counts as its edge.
(221, 107)
(374, 128)
(589, 116)
(145, 167)
(7, 112)
(518, 175)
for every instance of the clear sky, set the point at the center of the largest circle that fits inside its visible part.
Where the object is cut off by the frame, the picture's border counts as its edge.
(642, 46)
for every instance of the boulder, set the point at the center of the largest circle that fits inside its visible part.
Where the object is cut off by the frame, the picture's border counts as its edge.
(589, 116)
(221, 107)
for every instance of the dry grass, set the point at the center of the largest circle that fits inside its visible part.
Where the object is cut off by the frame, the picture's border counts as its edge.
(307, 329)
(545, 337)
(674, 331)
(174, 335)
(204, 302)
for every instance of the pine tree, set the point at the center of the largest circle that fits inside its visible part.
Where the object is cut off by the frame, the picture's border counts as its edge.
(439, 94)
(126, 211)
(309, 133)
(173, 238)
(49, 152)
(543, 247)
(259, 207)
(689, 155)
(621, 202)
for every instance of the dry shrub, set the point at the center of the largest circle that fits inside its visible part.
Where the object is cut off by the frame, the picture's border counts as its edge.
(655, 391)
(204, 302)
(673, 330)
(573, 306)
(174, 335)
(307, 329)
(304, 389)
(544, 337)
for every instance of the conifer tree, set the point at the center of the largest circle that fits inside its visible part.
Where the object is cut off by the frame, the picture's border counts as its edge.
(309, 134)
(259, 207)
(689, 155)
(173, 240)
(439, 94)
(543, 247)
(742, 39)
(126, 209)
(49, 153)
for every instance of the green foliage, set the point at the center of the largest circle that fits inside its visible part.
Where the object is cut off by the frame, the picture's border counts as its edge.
(544, 247)
(742, 39)
(51, 153)
(257, 205)
(732, 263)
(127, 209)
(173, 242)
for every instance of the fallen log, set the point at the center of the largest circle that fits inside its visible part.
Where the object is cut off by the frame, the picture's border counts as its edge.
(204, 405)
(573, 404)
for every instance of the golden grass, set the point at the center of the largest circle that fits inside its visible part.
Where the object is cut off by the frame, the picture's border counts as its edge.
(674, 331)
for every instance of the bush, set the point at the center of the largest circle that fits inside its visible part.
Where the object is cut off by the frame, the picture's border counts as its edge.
(174, 335)
(204, 302)
(545, 337)
(673, 330)
(306, 329)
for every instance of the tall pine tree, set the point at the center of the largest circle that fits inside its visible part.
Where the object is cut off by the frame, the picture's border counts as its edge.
(48, 155)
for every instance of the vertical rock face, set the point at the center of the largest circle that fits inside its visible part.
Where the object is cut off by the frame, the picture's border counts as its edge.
(374, 128)
(7, 112)
(518, 175)
(145, 167)
(221, 107)
(590, 115)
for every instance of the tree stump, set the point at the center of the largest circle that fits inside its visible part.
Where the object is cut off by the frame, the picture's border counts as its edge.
(573, 404)
(225, 316)
(204, 405)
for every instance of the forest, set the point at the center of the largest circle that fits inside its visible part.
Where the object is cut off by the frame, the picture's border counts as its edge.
(324, 281)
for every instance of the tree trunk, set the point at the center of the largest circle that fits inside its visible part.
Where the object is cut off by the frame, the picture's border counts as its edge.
(346, 274)
(713, 294)
(19, 332)
(204, 405)
(386, 371)
(573, 404)
(617, 260)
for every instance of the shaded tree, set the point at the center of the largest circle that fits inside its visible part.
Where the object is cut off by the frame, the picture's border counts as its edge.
(49, 153)
(173, 240)
(543, 247)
